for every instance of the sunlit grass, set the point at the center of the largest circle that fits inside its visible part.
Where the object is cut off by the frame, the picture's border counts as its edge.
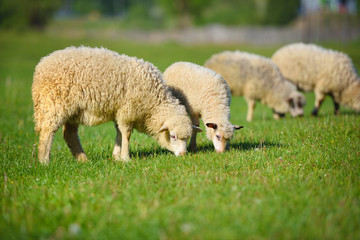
(286, 179)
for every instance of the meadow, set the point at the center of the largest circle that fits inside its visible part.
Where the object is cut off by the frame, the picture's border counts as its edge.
(295, 178)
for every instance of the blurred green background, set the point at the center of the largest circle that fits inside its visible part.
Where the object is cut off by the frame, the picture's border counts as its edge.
(149, 13)
(167, 14)
(227, 21)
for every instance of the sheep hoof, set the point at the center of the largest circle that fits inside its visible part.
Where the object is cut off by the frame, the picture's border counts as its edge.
(81, 158)
(124, 159)
(117, 157)
(44, 161)
(314, 112)
(276, 116)
(193, 149)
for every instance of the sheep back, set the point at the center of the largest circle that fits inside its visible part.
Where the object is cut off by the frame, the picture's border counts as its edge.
(254, 77)
(310, 66)
(201, 90)
(92, 85)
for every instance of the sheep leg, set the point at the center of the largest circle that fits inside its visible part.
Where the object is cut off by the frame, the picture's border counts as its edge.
(117, 147)
(319, 98)
(336, 106)
(125, 133)
(45, 141)
(192, 144)
(70, 134)
(251, 105)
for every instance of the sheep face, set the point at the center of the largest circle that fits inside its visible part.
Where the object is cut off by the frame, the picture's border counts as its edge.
(220, 134)
(174, 134)
(296, 103)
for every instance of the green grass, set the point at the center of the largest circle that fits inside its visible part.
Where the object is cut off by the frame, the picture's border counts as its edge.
(286, 179)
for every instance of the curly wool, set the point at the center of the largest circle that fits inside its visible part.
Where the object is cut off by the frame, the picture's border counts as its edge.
(204, 93)
(312, 67)
(254, 77)
(91, 86)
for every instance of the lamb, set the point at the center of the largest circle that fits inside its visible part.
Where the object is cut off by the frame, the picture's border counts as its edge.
(205, 95)
(324, 71)
(90, 86)
(257, 78)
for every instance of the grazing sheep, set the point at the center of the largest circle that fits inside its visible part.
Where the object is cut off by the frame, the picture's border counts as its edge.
(91, 86)
(205, 95)
(257, 78)
(324, 71)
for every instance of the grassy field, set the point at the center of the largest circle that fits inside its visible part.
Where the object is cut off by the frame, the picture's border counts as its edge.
(286, 179)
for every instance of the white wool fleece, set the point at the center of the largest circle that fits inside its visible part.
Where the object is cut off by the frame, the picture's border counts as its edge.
(256, 78)
(324, 71)
(90, 86)
(205, 95)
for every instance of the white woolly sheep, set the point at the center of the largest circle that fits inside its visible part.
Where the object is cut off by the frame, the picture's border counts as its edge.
(205, 95)
(257, 78)
(324, 71)
(91, 86)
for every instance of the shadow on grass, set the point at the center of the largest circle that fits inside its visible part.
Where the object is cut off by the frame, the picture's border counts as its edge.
(252, 145)
(242, 146)
(141, 154)
(204, 148)
(344, 112)
(349, 112)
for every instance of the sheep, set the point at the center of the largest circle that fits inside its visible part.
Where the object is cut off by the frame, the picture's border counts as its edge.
(257, 78)
(205, 95)
(91, 86)
(324, 71)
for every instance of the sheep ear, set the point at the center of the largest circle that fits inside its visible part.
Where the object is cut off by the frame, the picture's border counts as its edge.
(196, 128)
(212, 125)
(163, 129)
(237, 127)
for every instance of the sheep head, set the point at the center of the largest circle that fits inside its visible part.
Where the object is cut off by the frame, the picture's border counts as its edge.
(220, 134)
(296, 103)
(174, 134)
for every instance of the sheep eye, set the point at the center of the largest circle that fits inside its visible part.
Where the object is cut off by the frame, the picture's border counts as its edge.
(173, 137)
(218, 137)
(292, 104)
